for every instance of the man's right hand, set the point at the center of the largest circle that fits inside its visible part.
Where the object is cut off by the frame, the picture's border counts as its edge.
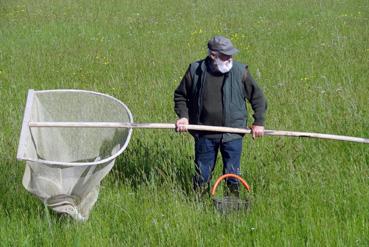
(181, 125)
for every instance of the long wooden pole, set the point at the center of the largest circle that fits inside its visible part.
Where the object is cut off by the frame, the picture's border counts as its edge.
(195, 127)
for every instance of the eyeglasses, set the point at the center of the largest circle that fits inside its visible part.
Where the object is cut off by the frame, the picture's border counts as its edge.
(224, 57)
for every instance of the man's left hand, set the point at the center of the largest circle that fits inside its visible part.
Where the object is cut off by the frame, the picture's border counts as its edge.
(257, 131)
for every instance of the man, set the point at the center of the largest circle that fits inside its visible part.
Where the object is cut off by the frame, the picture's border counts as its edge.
(214, 92)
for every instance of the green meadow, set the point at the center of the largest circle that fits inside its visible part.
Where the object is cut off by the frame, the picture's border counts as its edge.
(310, 57)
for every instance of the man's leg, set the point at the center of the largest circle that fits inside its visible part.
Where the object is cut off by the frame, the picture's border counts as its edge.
(231, 155)
(206, 151)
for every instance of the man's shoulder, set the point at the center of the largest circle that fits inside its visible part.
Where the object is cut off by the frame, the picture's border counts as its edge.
(197, 63)
(240, 65)
(196, 66)
(239, 69)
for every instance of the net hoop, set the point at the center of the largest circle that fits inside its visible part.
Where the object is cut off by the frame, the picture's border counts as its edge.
(25, 127)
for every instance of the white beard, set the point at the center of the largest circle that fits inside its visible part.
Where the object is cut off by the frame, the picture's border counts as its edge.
(223, 66)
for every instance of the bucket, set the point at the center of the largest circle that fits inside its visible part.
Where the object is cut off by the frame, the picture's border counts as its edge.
(228, 204)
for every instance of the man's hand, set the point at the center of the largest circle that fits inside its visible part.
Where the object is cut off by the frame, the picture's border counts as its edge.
(257, 131)
(181, 125)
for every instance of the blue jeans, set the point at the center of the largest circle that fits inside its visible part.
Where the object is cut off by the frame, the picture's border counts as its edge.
(206, 151)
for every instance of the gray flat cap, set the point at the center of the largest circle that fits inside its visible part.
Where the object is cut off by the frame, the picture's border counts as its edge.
(223, 45)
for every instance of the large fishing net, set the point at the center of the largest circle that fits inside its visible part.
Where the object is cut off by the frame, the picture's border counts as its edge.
(65, 165)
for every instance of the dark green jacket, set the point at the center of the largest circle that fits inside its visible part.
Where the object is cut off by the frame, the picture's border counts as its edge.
(238, 87)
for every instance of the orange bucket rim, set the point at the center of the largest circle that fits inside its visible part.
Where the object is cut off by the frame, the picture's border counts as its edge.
(228, 175)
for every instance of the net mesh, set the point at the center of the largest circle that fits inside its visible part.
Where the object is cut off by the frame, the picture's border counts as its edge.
(65, 166)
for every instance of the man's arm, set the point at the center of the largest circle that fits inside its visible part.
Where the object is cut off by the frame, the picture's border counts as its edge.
(180, 102)
(258, 103)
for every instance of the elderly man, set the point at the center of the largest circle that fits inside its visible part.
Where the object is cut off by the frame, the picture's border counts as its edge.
(214, 91)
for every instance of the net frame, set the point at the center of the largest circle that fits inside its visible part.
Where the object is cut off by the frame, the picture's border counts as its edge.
(25, 134)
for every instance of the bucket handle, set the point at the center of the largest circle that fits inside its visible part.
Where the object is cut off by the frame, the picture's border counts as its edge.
(229, 175)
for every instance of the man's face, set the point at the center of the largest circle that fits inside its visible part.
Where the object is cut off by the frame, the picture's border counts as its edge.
(222, 62)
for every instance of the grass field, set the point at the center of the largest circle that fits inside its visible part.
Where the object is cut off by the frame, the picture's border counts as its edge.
(310, 57)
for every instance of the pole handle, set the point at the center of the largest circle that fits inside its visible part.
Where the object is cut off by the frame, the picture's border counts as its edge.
(196, 127)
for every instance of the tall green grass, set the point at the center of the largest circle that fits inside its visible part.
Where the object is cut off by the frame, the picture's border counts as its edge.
(310, 57)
